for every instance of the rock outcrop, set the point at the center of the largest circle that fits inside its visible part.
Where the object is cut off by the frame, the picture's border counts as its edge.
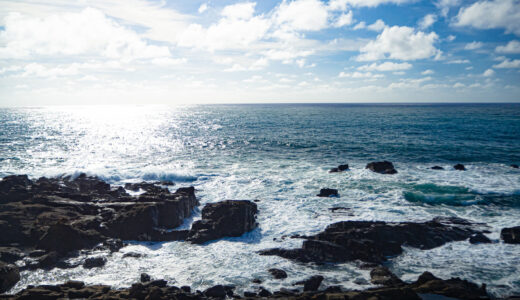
(511, 235)
(9, 276)
(381, 167)
(328, 193)
(158, 289)
(437, 168)
(278, 273)
(373, 241)
(459, 167)
(61, 215)
(340, 168)
(230, 218)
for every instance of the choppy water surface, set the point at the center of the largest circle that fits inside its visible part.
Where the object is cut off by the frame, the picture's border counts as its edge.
(280, 154)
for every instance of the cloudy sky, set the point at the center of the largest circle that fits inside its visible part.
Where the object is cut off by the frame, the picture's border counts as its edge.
(169, 52)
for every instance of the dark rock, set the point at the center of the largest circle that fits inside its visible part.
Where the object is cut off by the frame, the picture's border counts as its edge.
(49, 260)
(9, 276)
(514, 166)
(334, 209)
(454, 287)
(459, 167)
(333, 289)
(256, 280)
(511, 235)
(132, 254)
(73, 284)
(217, 291)
(113, 245)
(37, 253)
(382, 276)
(437, 168)
(328, 193)
(249, 294)
(381, 167)
(478, 238)
(94, 262)
(64, 238)
(262, 292)
(340, 168)
(186, 289)
(230, 218)
(278, 274)
(373, 241)
(10, 254)
(311, 284)
(145, 277)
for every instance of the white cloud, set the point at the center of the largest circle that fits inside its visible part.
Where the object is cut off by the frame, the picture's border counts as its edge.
(344, 20)
(473, 45)
(409, 83)
(513, 47)
(167, 61)
(488, 73)
(451, 38)
(368, 3)
(400, 42)
(458, 61)
(308, 15)
(358, 75)
(491, 14)
(239, 11)
(427, 21)
(203, 8)
(386, 66)
(83, 33)
(508, 64)
(459, 85)
(378, 25)
(427, 72)
(446, 5)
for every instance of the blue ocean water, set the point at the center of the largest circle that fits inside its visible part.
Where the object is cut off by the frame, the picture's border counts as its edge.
(281, 154)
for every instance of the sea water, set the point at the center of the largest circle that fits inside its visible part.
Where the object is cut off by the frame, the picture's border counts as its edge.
(280, 154)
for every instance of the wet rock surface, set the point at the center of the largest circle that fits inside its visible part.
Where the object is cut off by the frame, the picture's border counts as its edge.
(340, 168)
(511, 235)
(278, 273)
(427, 283)
(374, 241)
(9, 276)
(459, 167)
(437, 168)
(53, 218)
(230, 218)
(328, 193)
(381, 167)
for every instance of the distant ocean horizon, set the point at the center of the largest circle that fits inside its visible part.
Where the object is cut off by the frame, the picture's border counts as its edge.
(281, 154)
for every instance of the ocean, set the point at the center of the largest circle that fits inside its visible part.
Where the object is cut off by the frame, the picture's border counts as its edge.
(280, 154)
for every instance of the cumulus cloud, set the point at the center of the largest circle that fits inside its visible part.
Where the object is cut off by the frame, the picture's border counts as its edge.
(202, 8)
(473, 46)
(386, 66)
(401, 42)
(427, 21)
(239, 11)
(309, 15)
(491, 14)
(368, 3)
(513, 47)
(508, 64)
(446, 5)
(378, 25)
(83, 33)
(488, 73)
(344, 20)
(427, 72)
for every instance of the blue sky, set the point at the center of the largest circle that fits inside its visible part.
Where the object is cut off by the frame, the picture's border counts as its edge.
(177, 52)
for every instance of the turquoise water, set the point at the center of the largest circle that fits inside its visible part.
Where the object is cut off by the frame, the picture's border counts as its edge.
(280, 154)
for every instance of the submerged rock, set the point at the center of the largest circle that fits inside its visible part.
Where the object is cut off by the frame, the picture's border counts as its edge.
(328, 193)
(514, 166)
(340, 168)
(374, 241)
(145, 277)
(437, 168)
(9, 276)
(459, 167)
(381, 167)
(511, 235)
(230, 218)
(278, 274)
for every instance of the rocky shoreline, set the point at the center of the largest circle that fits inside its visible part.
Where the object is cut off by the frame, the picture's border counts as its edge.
(45, 222)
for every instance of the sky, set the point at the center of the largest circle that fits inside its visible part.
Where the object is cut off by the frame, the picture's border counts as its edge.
(63, 52)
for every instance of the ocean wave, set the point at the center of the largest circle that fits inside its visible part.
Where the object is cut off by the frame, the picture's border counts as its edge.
(434, 194)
